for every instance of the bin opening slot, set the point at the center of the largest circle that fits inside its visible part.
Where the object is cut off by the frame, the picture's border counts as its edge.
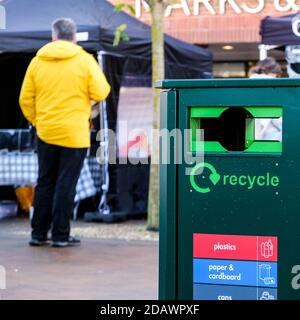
(228, 129)
(236, 129)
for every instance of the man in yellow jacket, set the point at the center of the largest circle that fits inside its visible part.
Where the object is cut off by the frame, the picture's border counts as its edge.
(59, 85)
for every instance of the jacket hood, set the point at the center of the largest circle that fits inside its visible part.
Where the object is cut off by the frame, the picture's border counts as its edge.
(59, 50)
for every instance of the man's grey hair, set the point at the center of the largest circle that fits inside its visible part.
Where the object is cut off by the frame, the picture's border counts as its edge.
(64, 29)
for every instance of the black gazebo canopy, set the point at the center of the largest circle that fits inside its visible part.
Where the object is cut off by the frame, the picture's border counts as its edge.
(279, 31)
(29, 23)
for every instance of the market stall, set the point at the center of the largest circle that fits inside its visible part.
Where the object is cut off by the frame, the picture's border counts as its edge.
(128, 64)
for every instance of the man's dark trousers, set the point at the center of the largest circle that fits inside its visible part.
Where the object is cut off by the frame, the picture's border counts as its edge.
(59, 170)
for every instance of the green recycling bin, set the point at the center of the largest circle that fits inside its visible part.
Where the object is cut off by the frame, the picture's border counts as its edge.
(230, 190)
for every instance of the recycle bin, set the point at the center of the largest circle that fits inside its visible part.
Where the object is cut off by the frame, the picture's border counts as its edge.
(229, 210)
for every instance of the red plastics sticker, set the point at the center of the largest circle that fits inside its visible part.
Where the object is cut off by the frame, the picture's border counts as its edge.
(234, 247)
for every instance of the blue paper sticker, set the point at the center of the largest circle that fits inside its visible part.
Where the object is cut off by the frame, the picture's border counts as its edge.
(235, 273)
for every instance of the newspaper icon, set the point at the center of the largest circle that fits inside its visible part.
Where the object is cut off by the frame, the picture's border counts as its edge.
(265, 274)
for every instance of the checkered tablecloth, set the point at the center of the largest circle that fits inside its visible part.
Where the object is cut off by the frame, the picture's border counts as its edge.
(22, 169)
(96, 173)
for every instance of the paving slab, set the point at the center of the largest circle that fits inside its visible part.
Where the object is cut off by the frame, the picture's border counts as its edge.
(99, 269)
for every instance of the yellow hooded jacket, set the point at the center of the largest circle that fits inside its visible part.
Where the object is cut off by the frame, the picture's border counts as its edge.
(55, 97)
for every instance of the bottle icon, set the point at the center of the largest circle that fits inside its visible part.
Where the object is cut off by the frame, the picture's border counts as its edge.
(267, 249)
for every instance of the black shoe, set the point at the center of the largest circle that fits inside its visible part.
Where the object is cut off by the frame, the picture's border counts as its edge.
(72, 242)
(38, 243)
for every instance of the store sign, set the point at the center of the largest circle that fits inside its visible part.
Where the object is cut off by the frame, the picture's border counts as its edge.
(196, 7)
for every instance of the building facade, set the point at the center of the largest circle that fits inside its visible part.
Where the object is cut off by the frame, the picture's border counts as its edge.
(229, 28)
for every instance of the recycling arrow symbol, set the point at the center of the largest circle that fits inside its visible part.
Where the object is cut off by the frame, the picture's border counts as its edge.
(214, 176)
